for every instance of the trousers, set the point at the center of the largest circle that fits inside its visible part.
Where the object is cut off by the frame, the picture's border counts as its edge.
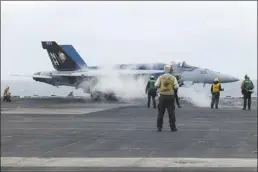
(215, 100)
(247, 100)
(151, 96)
(166, 102)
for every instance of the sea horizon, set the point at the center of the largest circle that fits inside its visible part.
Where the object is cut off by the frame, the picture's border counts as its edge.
(30, 88)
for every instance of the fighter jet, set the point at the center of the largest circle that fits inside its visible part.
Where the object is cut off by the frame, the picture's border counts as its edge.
(187, 72)
(71, 70)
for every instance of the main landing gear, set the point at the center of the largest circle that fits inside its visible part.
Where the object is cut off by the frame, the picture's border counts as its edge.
(98, 96)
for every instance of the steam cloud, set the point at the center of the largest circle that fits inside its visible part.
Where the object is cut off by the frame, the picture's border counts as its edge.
(128, 87)
(123, 86)
(197, 98)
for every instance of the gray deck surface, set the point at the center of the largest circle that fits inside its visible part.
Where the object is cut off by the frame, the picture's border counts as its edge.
(123, 131)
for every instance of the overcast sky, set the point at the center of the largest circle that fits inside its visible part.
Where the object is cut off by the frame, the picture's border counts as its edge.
(218, 35)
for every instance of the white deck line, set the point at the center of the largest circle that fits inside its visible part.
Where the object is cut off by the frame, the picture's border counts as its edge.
(128, 162)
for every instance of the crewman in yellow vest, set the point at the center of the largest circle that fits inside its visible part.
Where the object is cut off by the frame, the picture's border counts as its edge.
(215, 91)
(166, 83)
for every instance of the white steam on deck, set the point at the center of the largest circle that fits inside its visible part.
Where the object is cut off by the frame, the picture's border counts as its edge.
(129, 87)
(123, 86)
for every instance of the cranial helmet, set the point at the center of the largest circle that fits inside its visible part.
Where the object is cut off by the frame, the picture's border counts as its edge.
(168, 68)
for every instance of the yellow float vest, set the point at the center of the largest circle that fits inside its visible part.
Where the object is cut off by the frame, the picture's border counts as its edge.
(166, 85)
(215, 88)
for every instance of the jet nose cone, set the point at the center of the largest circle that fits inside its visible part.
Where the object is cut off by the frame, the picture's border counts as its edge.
(228, 79)
(234, 79)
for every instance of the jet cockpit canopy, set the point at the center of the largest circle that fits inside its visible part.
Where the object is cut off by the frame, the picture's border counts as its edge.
(185, 65)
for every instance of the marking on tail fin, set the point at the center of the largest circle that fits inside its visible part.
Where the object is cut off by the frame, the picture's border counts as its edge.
(61, 60)
(49, 43)
(61, 56)
(54, 58)
(71, 51)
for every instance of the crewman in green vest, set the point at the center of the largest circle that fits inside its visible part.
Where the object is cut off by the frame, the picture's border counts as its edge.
(151, 90)
(166, 83)
(247, 87)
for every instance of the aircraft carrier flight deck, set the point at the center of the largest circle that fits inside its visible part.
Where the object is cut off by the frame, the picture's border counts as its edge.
(75, 134)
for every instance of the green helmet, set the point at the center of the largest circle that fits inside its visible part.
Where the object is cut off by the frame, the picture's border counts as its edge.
(246, 77)
(152, 77)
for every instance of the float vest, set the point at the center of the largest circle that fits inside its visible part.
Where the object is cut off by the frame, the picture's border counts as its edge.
(152, 84)
(215, 88)
(166, 85)
(248, 85)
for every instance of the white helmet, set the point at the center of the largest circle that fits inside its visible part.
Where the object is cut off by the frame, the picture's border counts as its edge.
(168, 68)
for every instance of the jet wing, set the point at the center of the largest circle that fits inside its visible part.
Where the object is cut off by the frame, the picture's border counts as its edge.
(137, 72)
(34, 76)
(95, 73)
(106, 72)
(75, 74)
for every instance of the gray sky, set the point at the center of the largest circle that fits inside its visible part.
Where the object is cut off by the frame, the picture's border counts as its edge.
(218, 35)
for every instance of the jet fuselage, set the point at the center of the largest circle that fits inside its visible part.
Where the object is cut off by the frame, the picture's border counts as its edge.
(187, 73)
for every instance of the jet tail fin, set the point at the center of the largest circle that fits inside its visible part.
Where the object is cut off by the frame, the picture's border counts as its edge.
(61, 59)
(71, 51)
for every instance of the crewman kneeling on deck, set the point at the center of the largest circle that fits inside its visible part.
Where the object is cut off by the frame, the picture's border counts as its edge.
(7, 95)
(166, 83)
(151, 90)
(70, 94)
(215, 91)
